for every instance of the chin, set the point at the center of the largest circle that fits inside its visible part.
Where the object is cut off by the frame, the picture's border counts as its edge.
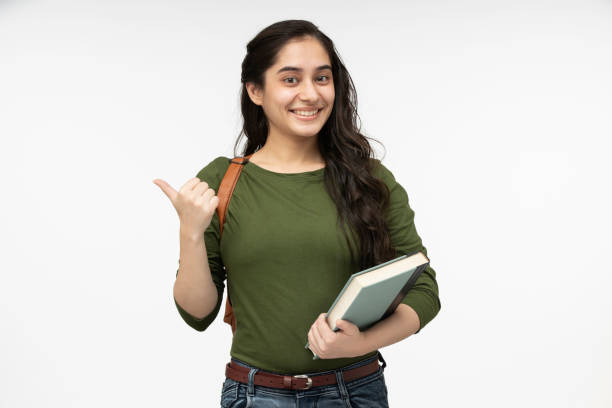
(309, 133)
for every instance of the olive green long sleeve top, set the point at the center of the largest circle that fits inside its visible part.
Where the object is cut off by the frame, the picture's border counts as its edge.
(285, 260)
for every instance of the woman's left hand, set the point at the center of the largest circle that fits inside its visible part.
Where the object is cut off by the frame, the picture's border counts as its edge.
(349, 341)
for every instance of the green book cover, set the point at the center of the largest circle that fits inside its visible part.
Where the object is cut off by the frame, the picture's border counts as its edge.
(376, 301)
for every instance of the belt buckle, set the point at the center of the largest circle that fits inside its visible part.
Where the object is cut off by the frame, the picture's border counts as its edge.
(308, 384)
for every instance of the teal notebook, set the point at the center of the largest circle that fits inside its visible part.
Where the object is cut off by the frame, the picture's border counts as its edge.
(374, 293)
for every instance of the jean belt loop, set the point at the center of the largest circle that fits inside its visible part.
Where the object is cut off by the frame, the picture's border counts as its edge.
(344, 394)
(251, 383)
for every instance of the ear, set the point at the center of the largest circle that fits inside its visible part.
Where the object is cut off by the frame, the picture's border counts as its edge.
(255, 93)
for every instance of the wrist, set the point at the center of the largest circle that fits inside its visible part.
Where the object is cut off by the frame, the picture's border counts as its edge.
(190, 235)
(366, 343)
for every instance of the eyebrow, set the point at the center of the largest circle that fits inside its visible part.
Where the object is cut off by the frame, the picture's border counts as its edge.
(288, 68)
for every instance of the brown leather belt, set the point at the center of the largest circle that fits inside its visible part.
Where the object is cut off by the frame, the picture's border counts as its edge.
(295, 382)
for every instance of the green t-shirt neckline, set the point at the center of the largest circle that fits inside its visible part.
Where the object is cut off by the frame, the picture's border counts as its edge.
(306, 175)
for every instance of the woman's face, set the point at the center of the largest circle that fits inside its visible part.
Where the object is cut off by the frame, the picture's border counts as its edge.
(300, 80)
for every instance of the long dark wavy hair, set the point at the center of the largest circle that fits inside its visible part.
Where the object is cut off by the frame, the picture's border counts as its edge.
(361, 198)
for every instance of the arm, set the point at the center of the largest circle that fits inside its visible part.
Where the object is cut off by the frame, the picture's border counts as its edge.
(198, 288)
(402, 323)
(423, 297)
(194, 289)
(199, 285)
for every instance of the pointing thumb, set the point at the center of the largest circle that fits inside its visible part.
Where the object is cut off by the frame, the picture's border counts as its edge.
(166, 188)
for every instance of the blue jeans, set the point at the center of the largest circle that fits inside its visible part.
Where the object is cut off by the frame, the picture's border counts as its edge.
(365, 392)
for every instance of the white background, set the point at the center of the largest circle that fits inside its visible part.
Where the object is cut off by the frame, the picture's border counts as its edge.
(495, 116)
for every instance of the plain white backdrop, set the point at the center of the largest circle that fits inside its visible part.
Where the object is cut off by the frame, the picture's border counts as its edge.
(494, 116)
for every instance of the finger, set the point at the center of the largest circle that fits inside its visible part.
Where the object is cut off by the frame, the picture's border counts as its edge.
(215, 201)
(322, 318)
(322, 340)
(200, 183)
(324, 327)
(206, 199)
(190, 184)
(313, 343)
(166, 188)
(345, 326)
(200, 188)
(319, 328)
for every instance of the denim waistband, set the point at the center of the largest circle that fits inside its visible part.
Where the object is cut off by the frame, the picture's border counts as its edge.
(356, 364)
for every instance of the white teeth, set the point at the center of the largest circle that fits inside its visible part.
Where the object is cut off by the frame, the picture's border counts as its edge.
(306, 113)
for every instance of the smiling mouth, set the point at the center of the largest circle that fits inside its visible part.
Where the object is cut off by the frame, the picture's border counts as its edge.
(295, 112)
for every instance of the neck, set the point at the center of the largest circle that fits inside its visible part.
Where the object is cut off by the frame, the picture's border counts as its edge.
(292, 152)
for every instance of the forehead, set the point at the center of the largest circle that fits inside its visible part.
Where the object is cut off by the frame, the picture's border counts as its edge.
(305, 53)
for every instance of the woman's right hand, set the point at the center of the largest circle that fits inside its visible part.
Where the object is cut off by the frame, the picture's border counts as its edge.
(195, 203)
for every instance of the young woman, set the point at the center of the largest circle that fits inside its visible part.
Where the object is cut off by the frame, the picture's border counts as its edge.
(311, 207)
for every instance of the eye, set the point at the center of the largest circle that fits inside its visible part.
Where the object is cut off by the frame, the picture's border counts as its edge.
(285, 80)
(324, 76)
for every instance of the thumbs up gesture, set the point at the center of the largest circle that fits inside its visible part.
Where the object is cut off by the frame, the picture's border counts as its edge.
(195, 203)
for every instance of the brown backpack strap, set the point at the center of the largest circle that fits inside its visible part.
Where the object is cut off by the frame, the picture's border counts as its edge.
(226, 188)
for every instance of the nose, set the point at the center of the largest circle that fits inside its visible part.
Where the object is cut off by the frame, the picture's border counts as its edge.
(308, 91)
